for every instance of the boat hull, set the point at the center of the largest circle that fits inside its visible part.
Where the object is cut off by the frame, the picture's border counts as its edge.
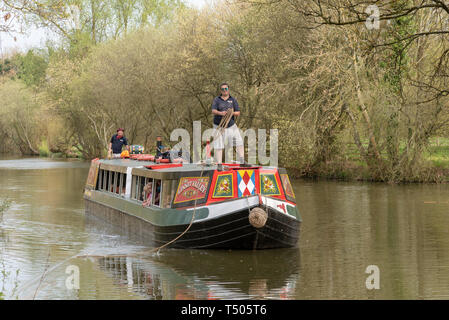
(227, 231)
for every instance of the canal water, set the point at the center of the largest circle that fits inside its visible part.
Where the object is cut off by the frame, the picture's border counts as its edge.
(358, 241)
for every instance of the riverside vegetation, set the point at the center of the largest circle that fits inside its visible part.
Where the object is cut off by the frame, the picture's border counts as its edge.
(350, 100)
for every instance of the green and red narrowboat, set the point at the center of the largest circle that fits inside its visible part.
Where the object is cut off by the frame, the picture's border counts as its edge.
(228, 206)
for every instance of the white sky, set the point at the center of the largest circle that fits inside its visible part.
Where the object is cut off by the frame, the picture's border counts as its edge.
(37, 37)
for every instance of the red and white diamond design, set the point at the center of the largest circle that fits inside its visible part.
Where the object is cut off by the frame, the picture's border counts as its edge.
(246, 182)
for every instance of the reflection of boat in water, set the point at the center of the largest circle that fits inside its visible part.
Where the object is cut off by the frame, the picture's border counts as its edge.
(199, 274)
(229, 206)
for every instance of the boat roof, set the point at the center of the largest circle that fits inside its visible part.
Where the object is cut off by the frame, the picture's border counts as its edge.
(167, 170)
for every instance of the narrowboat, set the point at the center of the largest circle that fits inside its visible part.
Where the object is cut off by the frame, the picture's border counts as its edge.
(208, 206)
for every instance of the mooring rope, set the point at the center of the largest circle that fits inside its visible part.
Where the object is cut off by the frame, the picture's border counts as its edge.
(177, 237)
(224, 123)
(220, 129)
(79, 255)
(188, 227)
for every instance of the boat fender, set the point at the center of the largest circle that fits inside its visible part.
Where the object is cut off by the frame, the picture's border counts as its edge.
(258, 217)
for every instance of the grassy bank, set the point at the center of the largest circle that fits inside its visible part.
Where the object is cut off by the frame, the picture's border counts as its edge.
(433, 168)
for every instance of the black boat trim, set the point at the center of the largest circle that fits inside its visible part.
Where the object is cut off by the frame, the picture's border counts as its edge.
(201, 230)
(214, 235)
(267, 226)
(214, 243)
(276, 239)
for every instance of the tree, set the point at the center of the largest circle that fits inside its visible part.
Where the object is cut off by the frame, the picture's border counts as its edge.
(395, 75)
(31, 68)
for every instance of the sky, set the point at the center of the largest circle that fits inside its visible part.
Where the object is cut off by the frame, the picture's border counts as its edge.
(35, 37)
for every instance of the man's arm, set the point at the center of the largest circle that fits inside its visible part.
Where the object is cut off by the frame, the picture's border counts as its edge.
(215, 110)
(110, 143)
(220, 113)
(236, 108)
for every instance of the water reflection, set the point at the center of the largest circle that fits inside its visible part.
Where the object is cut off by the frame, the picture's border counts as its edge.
(198, 274)
(400, 228)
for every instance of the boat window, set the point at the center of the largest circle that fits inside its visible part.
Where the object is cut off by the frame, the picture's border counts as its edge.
(137, 185)
(100, 179)
(114, 182)
(110, 181)
(157, 189)
(118, 182)
(102, 172)
(123, 184)
(148, 191)
(105, 180)
(134, 188)
(141, 186)
(169, 188)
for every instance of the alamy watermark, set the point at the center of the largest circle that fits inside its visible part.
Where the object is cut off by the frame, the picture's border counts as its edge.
(259, 150)
(373, 280)
(373, 20)
(72, 282)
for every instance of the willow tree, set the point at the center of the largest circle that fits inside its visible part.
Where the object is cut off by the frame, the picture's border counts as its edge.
(393, 71)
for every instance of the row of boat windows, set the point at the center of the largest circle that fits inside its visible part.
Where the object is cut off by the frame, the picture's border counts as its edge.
(149, 191)
(112, 181)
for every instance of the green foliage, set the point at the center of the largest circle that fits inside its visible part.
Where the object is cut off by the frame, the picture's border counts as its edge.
(5, 66)
(44, 151)
(396, 62)
(31, 68)
(347, 102)
(19, 121)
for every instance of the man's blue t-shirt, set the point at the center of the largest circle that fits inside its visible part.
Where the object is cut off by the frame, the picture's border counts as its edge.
(223, 105)
(118, 143)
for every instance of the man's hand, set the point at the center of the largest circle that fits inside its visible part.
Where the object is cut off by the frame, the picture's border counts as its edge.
(220, 113)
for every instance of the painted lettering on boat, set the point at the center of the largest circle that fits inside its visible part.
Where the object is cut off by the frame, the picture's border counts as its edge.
(191, 188)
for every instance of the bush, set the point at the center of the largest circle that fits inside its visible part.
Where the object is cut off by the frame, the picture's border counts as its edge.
(44, 151)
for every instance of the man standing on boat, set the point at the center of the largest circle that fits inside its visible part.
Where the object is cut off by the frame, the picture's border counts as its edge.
(226, 131)
(117, 142)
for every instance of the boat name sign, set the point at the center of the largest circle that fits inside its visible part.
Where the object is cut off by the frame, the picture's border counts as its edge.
(191, 188)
